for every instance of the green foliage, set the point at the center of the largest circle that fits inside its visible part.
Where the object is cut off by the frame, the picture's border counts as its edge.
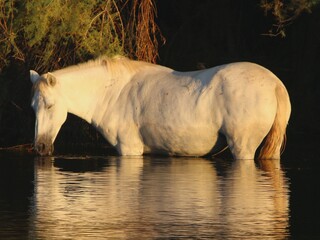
(49, 34)
(285, 12)
(7, 35)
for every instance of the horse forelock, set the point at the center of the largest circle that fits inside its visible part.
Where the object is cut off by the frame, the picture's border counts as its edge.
(39, 85)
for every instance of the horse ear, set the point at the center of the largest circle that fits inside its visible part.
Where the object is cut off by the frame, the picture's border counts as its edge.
(34, 76)
(51, 79)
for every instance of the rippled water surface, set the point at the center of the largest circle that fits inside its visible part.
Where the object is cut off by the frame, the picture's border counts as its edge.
(145, 198)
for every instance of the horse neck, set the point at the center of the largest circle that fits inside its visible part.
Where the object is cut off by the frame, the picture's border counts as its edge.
(82, 89)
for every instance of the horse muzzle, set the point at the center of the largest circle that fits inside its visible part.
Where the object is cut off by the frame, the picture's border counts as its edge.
(43, 149)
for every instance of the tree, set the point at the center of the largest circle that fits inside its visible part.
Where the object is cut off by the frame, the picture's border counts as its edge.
(47, 35)
(56, 33)
(285, 12)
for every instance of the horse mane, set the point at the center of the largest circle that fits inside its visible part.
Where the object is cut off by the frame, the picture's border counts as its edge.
(115, 65)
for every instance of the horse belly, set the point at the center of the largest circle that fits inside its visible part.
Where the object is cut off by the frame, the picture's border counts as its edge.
(189, 141)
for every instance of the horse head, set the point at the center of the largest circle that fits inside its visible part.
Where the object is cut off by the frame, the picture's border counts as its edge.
(50, 110)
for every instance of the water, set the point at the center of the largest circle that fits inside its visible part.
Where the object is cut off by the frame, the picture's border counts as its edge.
(89, 197)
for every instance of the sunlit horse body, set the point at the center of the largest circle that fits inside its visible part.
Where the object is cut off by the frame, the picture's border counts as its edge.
(145, 108)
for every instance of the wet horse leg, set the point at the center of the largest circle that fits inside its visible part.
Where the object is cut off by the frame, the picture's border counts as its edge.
(129, 142)
(243, 142)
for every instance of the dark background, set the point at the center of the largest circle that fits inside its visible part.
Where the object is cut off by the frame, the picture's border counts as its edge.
(207, 33)
(202, 34)
(210, 33)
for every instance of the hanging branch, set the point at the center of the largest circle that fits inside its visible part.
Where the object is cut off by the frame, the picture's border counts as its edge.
(144, 33)
(285, 12)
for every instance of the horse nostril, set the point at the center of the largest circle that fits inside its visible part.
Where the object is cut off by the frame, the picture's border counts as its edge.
(43, 148)
(40, 147)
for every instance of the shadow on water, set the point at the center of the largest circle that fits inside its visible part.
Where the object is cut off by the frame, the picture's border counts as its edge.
(149, 197)
(301, 165)
(16, 189)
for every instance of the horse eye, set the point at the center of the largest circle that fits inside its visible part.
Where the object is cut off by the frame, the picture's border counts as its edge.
(49, 106)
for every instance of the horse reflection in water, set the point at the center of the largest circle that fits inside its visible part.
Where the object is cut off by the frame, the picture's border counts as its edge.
(149, 198)
(258, 203)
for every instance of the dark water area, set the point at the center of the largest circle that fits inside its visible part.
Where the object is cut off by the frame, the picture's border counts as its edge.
(97, 195)
(100, 197)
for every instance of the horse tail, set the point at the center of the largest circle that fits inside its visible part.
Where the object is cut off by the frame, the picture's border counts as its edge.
(276, 137)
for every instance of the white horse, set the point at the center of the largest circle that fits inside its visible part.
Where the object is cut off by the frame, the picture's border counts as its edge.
(146, 108)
